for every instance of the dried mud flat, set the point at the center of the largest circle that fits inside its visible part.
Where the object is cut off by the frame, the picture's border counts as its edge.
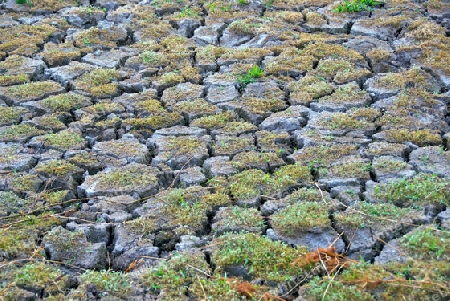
(224, 150)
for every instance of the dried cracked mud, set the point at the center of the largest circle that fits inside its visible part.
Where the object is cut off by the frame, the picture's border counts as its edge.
(224, 150)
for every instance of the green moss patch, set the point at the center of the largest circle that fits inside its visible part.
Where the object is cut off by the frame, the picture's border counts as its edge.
(262, 257)
(60, 54)
(99, 82)
(253, 183)
(214, 121)
(21, 239)
(418, 137)
(308, 89)
(6, 80)
(112, 283)
(154, 122)
(10, 203)
(64, 140)
(22, 183)
(172, 278)
(427, 243)
(19, 133)
(32, 91)
(423, 189)
(237, 219)
(130, 176)
(59, 168)
(40, 276)
(11, 115)
(411, 78)
(300, 217)
(368, 215)
(351, 167)
(64, 102)
(323, 155)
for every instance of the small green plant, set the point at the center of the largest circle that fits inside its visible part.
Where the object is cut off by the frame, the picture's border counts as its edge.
(188, 12)
(28, 2)
(249, 77)
(242, 2)
(355, 6)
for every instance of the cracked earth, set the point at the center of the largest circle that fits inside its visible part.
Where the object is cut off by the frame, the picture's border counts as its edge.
(196, 150)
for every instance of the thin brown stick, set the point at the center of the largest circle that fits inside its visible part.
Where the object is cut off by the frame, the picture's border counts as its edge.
(201, 285)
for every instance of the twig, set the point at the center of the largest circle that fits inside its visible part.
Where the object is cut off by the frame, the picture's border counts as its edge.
(321, 193)
(198, 270)
(201, 285)
(329, 284)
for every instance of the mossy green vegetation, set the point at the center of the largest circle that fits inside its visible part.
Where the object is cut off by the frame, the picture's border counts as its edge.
(99, 82)
(22, 183)
(352, 167)
(162, 120)
(197, 107)
(20, 132)
(238, 219)
(253, 182)
(51, 122)
(9, 115)
(300, 217)
(349, 93)
(418, 137)
(60, 54)
(367, 214)
(6, 80)
(255, 159)
(309, 88)
(322, 155)
(387, 164)
(183, 211)
(289, 61)
(422, 189)
(106, 282)
(33, 90)
(232, 145)
(361, 119)
(217, 288)
(11, 203)
(130, 176)
(215, 121)
(184, 146)
(315, 289)
(427, 243)
(263, 106)
(64, 140)
(42, 276)
(340, 71)
(262, 257)
(172, 278)
(64, 102)
(411, 78)
(59, 168)
(354, 6)
(363, 281)
(20, 240)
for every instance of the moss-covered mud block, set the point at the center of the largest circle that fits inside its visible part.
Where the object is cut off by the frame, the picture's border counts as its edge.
(134, 179)
(29, 92)
(366, 226)
(307, 224)
(72, 247)
(253, 256)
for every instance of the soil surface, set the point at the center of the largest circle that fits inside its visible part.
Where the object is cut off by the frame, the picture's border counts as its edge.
(224, 150)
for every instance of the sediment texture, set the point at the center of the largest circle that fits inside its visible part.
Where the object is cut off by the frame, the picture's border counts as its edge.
(194, 150)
